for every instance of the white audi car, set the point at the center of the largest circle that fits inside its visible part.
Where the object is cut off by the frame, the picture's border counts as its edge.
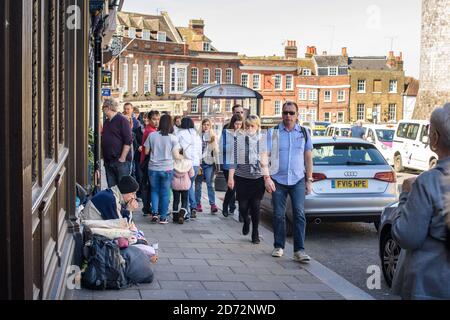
(352, 182)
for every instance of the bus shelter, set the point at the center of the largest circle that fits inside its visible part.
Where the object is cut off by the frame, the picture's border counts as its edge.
(232, 92)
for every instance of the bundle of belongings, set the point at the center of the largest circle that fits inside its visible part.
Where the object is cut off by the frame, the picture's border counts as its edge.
(116, 253)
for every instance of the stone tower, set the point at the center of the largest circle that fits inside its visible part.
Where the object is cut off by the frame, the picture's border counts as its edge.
(434, 58)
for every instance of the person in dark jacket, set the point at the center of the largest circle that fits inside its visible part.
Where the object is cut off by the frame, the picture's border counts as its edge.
(421, 226)
(113, 203)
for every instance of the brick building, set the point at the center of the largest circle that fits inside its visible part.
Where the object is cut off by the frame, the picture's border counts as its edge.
(274, 78)
(323, 87)
(376, 88)
(159, 62)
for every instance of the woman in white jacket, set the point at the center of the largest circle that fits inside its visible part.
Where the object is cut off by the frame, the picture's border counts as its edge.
(210, 152)
(191, 145)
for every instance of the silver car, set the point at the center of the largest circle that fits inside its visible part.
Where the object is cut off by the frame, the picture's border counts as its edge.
(352, 182)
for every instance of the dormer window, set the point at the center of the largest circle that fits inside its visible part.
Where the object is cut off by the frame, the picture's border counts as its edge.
(161, 36)
(306, 72)
(333, 71)
(146, 34)
(206, 46)
(132, 33)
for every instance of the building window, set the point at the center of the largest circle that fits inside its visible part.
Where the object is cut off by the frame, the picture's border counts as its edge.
(278, 108)
(302, 94)
(205, 105)
(161, 36)
(218, 74)
(194, 106)
(392, 112)
(340, 116)
(302, 115)
(228, 105)
(306, 72)
(125, 77)
(362, 86)
(131, 33)
(194, 76)
(377, 86)
(205, 76)
(256, 82)
(135, 78)
(332, 71)
(229, 76)
(289, 82)
(313, 114)
(146, 34)
(161, 76)
(278, 82)
(313, 95)
(360, 111)
(341, 95)
(326, 117)
(206, 46)
(178, 79)
(393, 86)
(147, 78)
(327, 96)
(244, 80)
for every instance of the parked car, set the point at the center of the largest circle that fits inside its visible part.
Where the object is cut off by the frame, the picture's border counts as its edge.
(389, 250)
(411, 148)
(352, 182)
(338, 130)
(382, 136)
(316, 129)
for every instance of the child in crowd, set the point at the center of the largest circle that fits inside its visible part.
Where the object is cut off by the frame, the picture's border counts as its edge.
(181, 183)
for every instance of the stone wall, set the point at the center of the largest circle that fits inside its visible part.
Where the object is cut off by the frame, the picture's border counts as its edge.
(435, 58)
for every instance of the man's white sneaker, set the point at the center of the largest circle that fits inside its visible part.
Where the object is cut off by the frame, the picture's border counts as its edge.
(277, 252)
(301, 256)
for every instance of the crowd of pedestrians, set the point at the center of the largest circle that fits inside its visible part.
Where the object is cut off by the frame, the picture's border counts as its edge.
(170, 158)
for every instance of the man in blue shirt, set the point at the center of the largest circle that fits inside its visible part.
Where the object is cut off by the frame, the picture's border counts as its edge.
(357, 131)
(291, 167)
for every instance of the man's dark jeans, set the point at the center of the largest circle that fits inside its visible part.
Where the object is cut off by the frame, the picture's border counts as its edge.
(115, 171)
(297, 194)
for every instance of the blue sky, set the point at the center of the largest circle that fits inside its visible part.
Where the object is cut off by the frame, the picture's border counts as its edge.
(259, 27)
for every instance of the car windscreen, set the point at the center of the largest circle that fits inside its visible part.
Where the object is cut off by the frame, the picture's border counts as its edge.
(385, 135)
(339, 154)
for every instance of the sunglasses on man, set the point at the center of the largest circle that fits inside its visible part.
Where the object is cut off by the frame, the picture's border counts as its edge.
(291, 113)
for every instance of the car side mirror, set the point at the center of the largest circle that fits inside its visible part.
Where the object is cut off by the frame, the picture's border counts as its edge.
(425, 140)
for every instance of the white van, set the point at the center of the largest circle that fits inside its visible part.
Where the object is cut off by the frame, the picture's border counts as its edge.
(382, 136)
(411, 147)
(338, 130)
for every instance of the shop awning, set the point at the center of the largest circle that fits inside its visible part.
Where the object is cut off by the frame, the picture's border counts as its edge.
(222, 91)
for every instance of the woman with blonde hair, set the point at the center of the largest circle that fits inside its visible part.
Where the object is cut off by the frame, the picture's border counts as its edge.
(248, 175)
(210, 151)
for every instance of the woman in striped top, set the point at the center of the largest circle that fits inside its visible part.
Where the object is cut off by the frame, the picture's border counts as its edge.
(247, 174)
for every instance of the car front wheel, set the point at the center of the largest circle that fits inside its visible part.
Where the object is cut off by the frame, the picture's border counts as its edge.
(398, 164)
(389, 257)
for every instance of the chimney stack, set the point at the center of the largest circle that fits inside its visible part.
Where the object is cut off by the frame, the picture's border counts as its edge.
(310, 51)
(290, 50)
(391, 59)
(344, 51)
(197, 25)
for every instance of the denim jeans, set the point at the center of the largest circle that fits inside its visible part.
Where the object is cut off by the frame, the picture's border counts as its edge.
(160, 182)
(192, 202)
(208, 173)
(297, 195)
(115, 171)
